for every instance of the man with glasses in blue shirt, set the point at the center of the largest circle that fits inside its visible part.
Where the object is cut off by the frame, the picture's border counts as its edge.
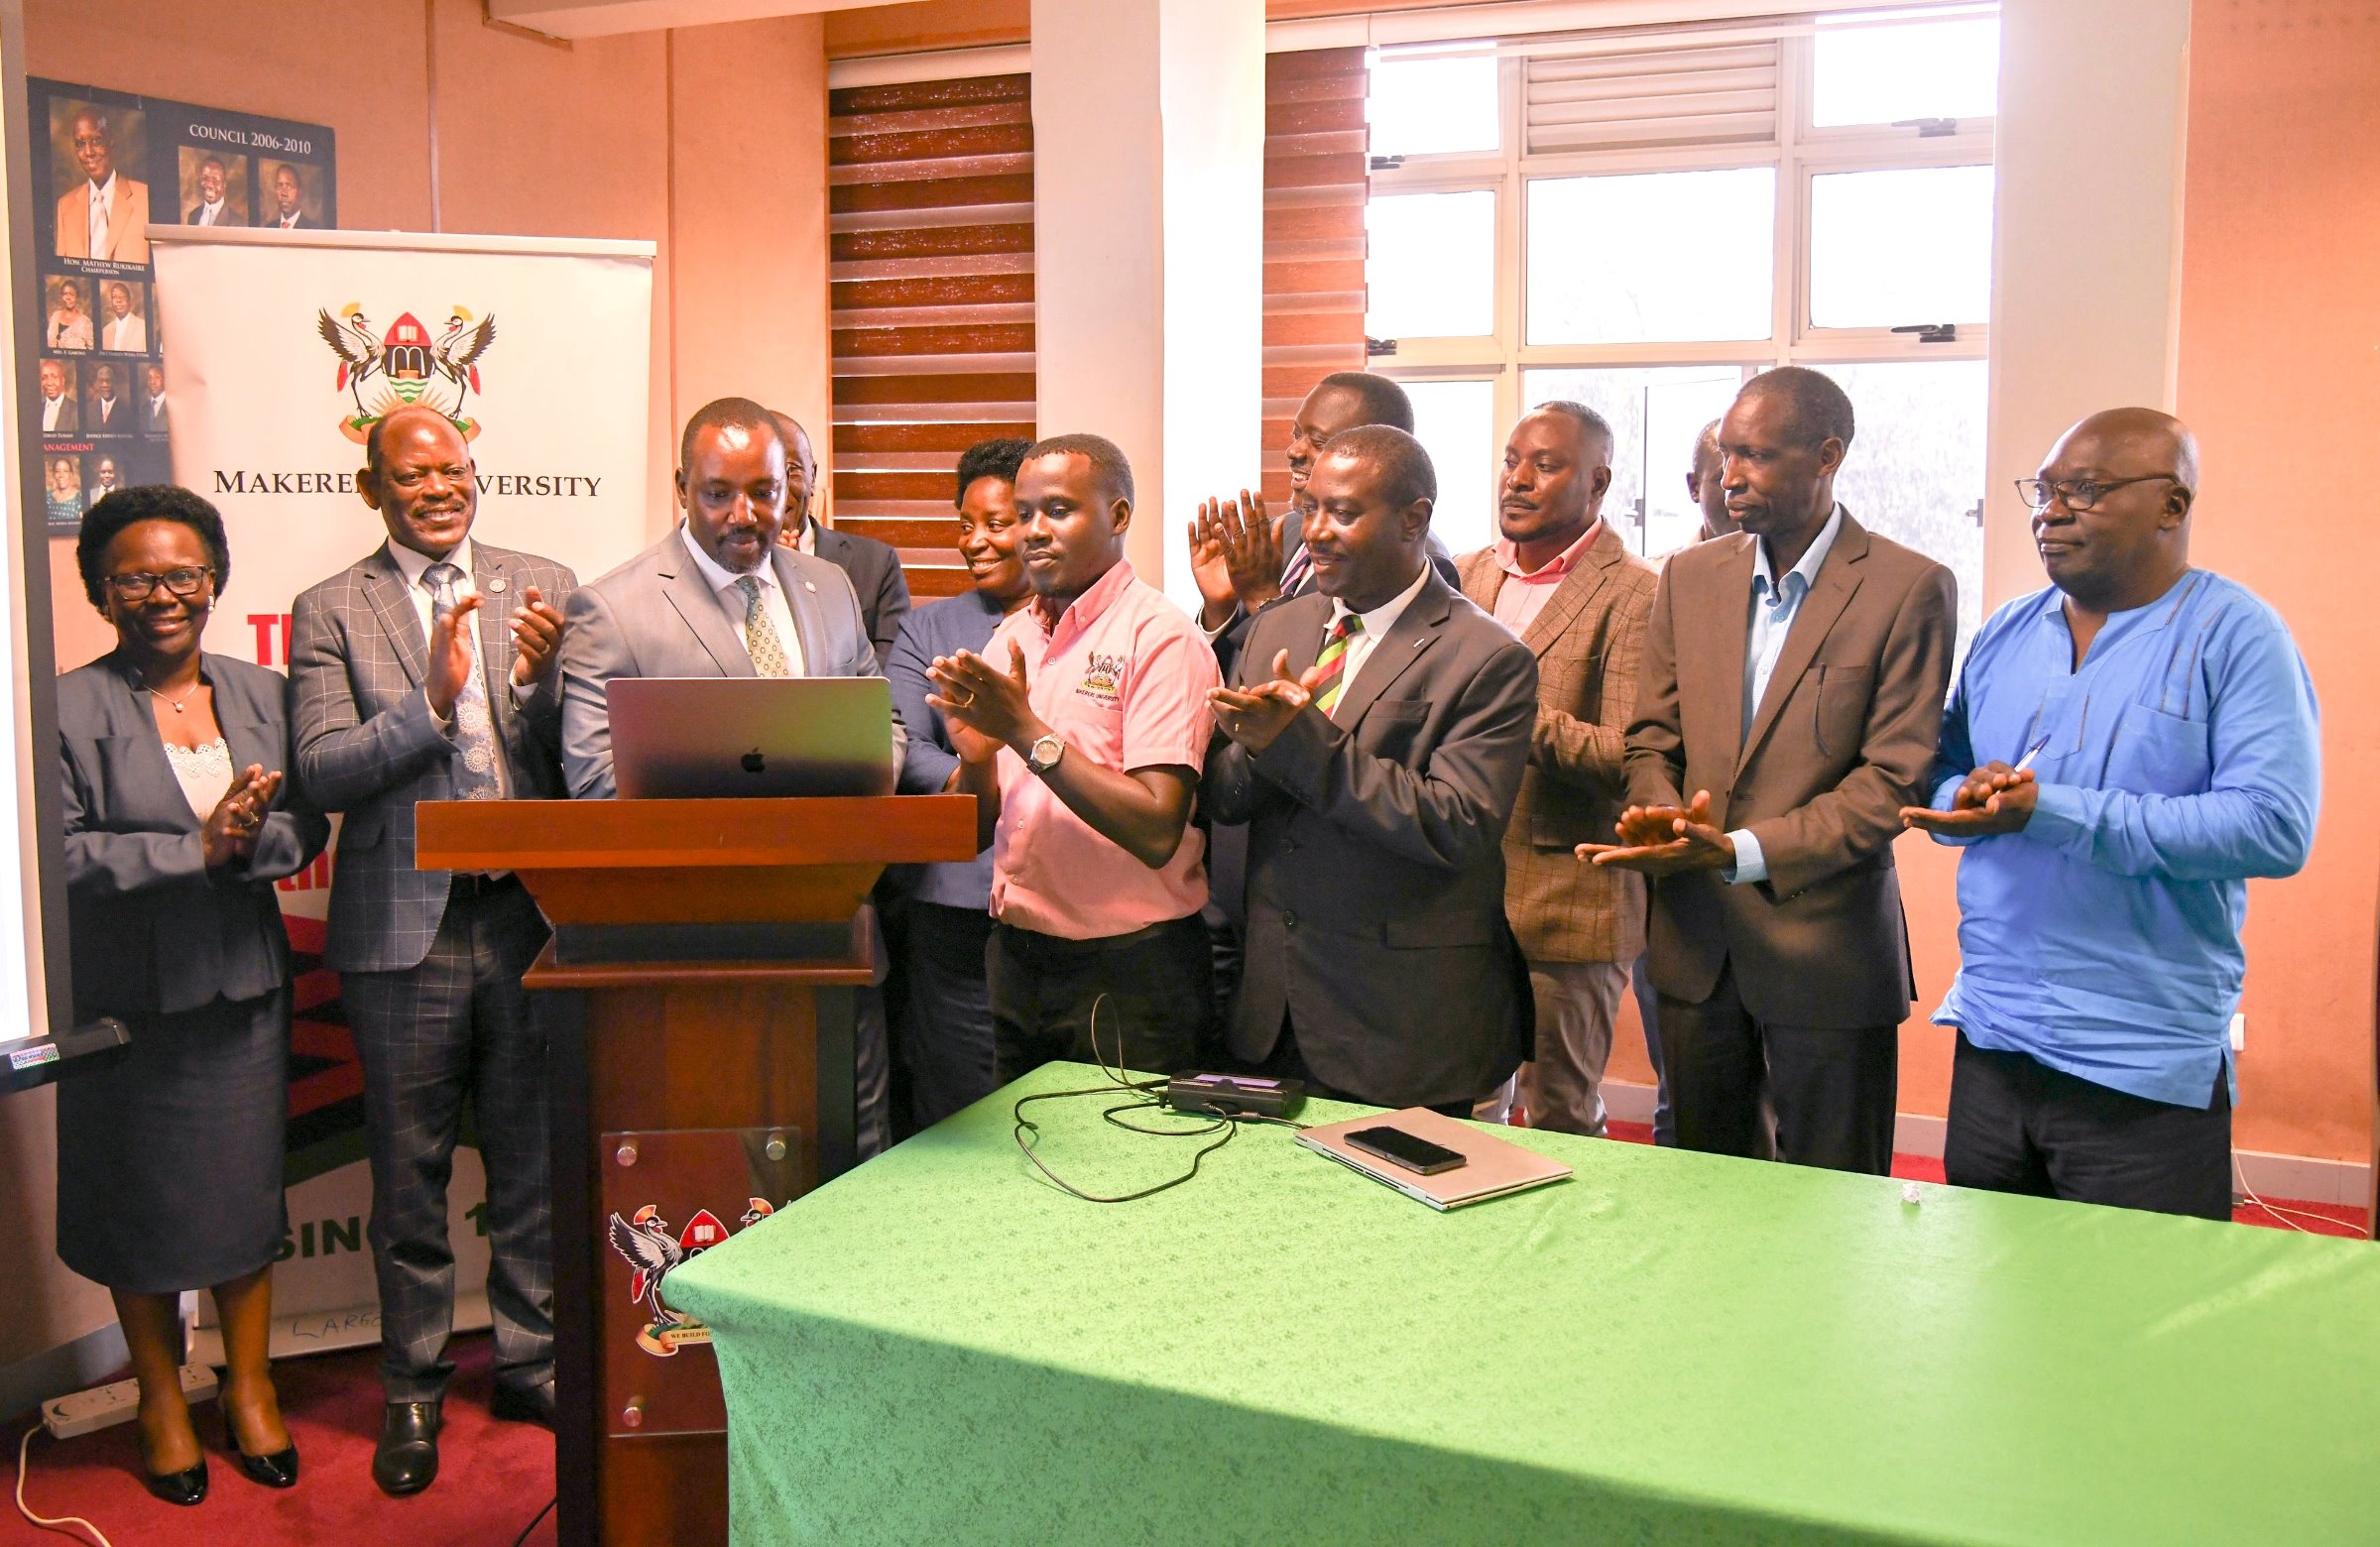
(2123, 751)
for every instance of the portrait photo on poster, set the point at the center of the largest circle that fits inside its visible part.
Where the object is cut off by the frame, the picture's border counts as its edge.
(214, 186)
(155, 407)
(66, 312)
(107, 398)
(124, 317)
(291, 195)
(61, 397)
(96, 152)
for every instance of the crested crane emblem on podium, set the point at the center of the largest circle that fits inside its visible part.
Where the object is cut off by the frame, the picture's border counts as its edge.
(381, 372)
(652, 1254)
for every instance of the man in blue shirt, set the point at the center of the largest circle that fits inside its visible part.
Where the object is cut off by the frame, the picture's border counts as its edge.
(2124, 749)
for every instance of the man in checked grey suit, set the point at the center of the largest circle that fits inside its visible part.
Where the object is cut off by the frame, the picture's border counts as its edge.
(720, 597)
(425, 672)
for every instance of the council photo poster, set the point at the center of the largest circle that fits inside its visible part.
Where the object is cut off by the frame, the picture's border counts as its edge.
(106, 165)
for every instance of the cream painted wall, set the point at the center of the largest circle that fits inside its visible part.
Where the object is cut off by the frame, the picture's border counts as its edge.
(1147, 171)
(709, 141)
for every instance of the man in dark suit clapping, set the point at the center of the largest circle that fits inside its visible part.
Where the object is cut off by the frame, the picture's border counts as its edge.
(1787, 708)
(1374, 737)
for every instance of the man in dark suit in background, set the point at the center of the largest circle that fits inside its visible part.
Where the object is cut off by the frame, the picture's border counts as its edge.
(1374, 737)
(427, 672)
(872, 568)
(1790, 696)
(1243, 559)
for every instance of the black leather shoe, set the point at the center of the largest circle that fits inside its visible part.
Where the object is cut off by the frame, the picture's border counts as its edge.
(279, 1470)
(525, 1404)
(406, 1461)
(178, 1487)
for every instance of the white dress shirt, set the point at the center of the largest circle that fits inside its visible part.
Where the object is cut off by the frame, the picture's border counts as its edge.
(211, 214)
(284, 222)
(1376, 623)
(127, 333)
(1775, 605)
(101, 196)
(103, 413)
(773, 606)
(51, 408)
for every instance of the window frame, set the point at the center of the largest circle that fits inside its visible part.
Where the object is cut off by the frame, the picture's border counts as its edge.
(1798, 153)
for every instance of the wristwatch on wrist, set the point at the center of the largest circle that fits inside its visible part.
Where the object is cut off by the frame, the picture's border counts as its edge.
(1044, 752)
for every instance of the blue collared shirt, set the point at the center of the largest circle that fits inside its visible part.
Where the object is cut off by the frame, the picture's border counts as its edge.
(1775, 604)
(944, 628)
(2181, 757)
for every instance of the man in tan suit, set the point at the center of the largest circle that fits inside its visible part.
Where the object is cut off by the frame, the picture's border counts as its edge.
(1568, 586)
(107, 215)
(1793, 678)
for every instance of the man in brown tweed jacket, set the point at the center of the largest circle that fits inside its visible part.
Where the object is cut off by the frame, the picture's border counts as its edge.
(1566, 584)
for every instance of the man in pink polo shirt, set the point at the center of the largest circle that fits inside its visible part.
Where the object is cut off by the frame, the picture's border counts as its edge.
(1081, 731)
(1564, 582)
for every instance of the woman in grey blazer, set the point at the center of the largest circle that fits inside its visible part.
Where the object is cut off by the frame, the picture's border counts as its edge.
(169, 1160)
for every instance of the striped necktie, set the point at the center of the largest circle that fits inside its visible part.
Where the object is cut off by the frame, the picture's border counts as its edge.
(1333, 661)
(1297, 571)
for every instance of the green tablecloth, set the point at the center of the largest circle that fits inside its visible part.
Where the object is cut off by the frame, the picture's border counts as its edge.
(941, 1348)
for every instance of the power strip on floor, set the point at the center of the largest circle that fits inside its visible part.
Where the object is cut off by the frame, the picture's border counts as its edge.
(104, 1406)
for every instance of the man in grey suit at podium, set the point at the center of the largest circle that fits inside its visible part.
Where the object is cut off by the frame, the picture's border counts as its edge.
(719, 596)
(425, 672)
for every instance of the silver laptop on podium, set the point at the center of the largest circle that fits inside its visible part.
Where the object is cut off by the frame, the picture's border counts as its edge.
(701, 738)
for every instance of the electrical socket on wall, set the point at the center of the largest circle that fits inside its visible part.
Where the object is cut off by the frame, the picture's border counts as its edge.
(102, 1406)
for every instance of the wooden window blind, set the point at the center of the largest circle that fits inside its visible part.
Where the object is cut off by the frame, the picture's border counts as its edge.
(931, 225)
(1316, 168)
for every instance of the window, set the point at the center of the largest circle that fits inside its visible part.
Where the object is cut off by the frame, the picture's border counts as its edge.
(1900, 246)
(1456, 423)
(1656, 415)
(1627, 260)
(1659, 214)
(1433, 269)
(1429, 107)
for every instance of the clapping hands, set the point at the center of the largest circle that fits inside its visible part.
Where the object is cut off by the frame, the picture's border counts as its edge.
(229, 832)
(1995, 799)
(1665, 840)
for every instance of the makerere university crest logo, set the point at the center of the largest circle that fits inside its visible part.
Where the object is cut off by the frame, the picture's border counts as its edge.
(384, 372)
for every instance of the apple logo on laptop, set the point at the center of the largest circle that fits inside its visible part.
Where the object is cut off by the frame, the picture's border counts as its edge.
(751, 762)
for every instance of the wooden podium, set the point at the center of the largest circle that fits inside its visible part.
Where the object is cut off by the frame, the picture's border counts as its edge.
(698, 996)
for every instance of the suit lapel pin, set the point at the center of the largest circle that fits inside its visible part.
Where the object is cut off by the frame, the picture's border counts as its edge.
(808, 585)
(496, 587)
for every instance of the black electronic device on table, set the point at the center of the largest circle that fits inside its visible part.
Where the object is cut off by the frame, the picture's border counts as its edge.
(1411, 1151)
(1234, 1095)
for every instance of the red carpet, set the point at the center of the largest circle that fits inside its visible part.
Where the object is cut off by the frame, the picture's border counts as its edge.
(492, 1477)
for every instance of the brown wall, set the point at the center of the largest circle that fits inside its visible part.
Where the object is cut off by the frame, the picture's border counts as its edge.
(708, 141)
(2280, 324)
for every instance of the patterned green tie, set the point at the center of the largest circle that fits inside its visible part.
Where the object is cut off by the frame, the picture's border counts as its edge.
(760, 635)
(1333, 661)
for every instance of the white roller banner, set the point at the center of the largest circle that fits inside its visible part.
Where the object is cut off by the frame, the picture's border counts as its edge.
(286, 347)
